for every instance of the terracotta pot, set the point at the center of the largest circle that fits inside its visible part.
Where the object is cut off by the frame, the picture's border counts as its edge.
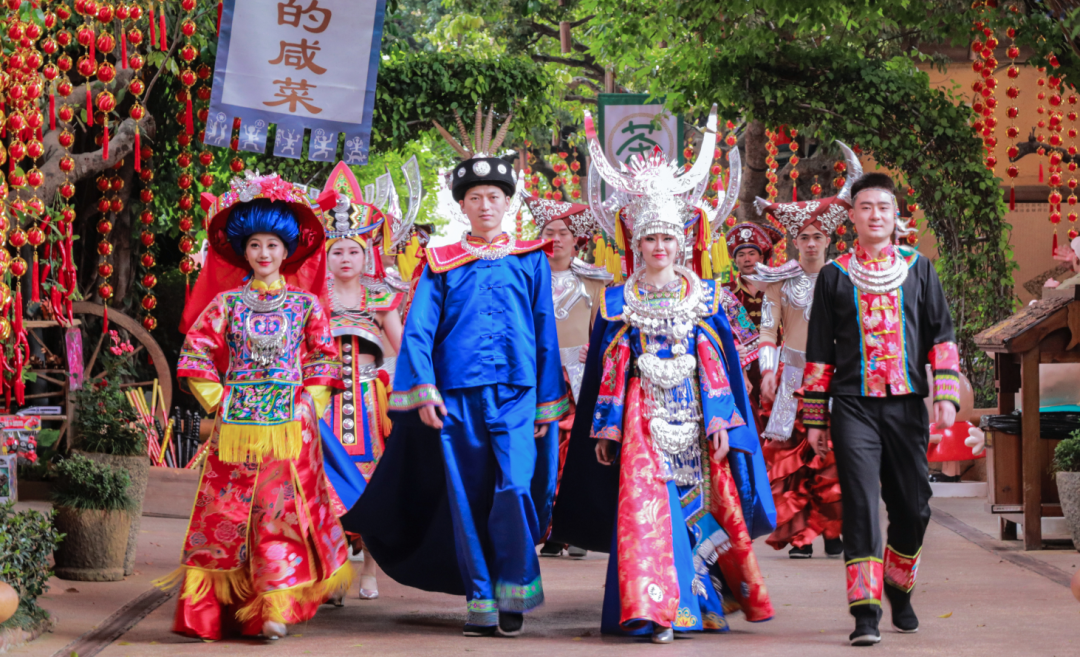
(138, 468)
(9, 601)
(94, 544)
(1068, 484)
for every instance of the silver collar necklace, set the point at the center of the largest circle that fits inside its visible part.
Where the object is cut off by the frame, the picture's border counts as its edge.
(486, 252)
(880, 281)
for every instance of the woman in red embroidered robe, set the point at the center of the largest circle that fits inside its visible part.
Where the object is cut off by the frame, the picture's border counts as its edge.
(263, 548)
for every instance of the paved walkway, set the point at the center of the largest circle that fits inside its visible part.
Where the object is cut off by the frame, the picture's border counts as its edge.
(976, 596)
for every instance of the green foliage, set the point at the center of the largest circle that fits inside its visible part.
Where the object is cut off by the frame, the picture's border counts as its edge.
(27, 540)
(1067, 454)
(105, 422)
(85, 484)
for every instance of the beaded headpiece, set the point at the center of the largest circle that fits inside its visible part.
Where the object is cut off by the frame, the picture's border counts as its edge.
(579, 218)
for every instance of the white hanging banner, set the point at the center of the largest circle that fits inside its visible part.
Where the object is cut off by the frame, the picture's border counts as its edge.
(301, 65)
(631, 125)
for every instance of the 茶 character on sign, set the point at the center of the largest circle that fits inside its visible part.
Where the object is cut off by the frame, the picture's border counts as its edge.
(299, 56)
(316, 18)
(294, 93)
(639, 141)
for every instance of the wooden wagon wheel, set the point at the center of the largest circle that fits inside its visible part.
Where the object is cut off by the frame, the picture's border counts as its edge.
(139, 334)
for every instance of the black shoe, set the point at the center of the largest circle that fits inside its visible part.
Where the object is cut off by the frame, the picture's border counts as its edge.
(510, 623)
(866, 625)
(904, 619)
(804, 552)
(940, 478)
(576, 552)
(479, 630)
(551, 549)
(834, 548)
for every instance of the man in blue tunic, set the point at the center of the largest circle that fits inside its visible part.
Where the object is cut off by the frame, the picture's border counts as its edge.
(480, 367)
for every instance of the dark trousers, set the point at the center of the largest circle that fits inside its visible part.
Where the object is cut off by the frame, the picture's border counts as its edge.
(880, 446)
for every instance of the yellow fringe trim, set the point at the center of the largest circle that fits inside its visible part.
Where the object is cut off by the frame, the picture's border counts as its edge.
(238, 443)
(384, 404)
(273, 605)
(228, 586)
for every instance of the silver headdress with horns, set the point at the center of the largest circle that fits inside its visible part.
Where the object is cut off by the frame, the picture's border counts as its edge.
(657, 196)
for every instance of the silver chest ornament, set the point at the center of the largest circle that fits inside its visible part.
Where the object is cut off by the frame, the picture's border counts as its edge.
(566, 290)
(266, 328)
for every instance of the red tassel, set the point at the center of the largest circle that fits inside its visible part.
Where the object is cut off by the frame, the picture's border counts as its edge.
(40, 136)
(105, 143)
(187, 289)
(138, 151)
(105, 327)
(1012, 198)
(89, 106)
(189, 125)
(161, 28)
(220, 5)
(1040, 172)
(153, 34)
(92, 54)
(1053, 249)
(3, 110)
(123, 48)
(35, 280)
(52, 111)
(794, 194)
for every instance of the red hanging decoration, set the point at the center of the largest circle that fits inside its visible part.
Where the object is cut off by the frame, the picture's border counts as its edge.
(123, 48)
(52, 111)
(153, 33)
(35, 280)
(138, 150)
(105, 142)
(189, 125)
(220, 6)
(794, 194)
(1041, 172)
(161, 28)
(1012, 198)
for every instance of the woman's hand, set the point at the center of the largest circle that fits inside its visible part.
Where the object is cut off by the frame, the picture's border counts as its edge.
(768, 387)
(583, 353)
(720, 443)
(432, 415)
(540, 430)
(605, 451)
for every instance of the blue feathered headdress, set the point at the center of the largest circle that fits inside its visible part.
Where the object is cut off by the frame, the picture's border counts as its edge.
(262, 216)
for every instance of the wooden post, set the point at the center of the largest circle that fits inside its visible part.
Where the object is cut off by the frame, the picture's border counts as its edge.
(609, 81)
(1031, 449)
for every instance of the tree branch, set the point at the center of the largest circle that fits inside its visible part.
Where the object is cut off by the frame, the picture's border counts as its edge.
(567, 61)
(581, 99)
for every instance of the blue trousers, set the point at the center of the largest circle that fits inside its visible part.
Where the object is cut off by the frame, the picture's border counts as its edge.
(490, 456)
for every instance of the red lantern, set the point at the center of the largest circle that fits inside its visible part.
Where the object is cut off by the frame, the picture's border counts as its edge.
(105, 270)
(147, 238)
(148, 262)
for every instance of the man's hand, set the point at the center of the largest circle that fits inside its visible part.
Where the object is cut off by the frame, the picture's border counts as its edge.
(432, 415)
(1051, 283)
(540, 430)
(819, 441)
(768, 387)
(605, 451)
(944, 415)
(583, 353)
(720, 443)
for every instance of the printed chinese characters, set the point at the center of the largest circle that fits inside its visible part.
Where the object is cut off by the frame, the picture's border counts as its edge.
(299, 56)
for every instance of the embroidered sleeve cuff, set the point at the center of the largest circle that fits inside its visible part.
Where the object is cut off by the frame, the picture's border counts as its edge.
(749, 352)
(553, 411)
(718, 423)
(815, 412)
(422, 395)
(610, 432)
(198, 366)
(817, 377)
(947, 387)
(944, 356)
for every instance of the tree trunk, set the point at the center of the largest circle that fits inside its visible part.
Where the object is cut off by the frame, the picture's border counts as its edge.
(754, 171)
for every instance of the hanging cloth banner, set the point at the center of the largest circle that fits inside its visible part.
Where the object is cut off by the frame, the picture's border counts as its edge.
(632, 124)
(300, 65)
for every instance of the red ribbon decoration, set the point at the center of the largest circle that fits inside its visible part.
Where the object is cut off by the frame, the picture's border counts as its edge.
(35, 280)
(161, 27)
(52, 111)
(123, 48)
(1012, 198)
(138, 150)
(189, 124)
(105, 142)
(153, 35)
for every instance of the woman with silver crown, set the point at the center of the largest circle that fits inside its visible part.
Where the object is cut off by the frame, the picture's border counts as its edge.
(364, 321)
(664, 410)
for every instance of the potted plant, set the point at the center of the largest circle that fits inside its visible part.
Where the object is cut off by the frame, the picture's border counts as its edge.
(108, 431)
(1067, 466)
(27, 538)
(93, 510)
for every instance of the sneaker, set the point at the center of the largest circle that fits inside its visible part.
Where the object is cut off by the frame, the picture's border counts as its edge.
(804, 552)
(834, 548)
(866, 633)
(479, 630)
(551, 549)
(576, 552)
(661, 634)
(510, 623)
(904, 619)
(274, 631)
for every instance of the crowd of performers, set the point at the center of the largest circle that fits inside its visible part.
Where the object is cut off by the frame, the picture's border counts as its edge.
(445, 419)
